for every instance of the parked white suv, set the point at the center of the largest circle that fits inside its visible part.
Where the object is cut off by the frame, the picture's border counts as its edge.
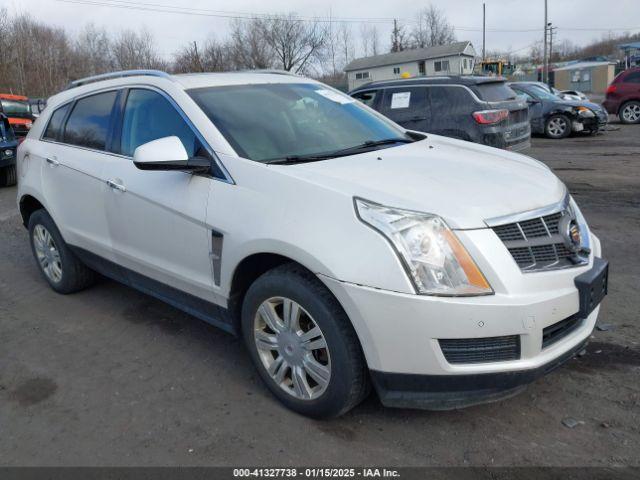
(346, 250)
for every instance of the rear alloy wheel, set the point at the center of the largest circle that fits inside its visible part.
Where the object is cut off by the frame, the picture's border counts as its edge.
(558, 126)
(47, 254)
(630, 112)
(64, 272)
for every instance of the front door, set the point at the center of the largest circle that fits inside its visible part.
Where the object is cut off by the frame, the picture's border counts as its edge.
(157, 218)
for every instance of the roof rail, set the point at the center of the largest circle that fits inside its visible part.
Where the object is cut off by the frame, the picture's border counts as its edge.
(272, 71)
(121, 74)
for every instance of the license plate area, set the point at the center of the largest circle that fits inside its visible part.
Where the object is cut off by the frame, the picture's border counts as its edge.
(592, 286)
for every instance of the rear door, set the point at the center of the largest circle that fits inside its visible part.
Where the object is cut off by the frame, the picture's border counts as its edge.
(157, 218)
(74, 153)
(407, 106)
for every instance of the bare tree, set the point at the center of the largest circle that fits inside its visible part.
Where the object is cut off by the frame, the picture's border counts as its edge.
(133, 50)
(214, 57)
(93, 52)
(432, 28)
(347, 48)
(370, 39)
(399, 41)
(248, 48)
(188, 59)
(295, 43)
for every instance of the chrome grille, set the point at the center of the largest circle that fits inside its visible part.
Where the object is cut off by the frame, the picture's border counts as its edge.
(536, 243)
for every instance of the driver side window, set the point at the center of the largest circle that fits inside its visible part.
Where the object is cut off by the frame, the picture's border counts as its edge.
(149, 116)
(524, 94)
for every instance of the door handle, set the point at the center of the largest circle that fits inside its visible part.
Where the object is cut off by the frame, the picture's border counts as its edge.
(52, 161)
(116, 186)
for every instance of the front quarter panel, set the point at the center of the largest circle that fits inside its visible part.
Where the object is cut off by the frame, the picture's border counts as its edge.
(268, 211)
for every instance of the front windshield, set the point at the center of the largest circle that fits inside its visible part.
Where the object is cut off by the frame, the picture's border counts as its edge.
(266, 122)
(544, 94)
(16, 108)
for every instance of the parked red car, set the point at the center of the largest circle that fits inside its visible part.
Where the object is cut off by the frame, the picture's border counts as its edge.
(623, 96)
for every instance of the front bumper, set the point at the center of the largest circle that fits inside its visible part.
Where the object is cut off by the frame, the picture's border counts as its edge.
(7, 161)
(447, 392)
(400, 333)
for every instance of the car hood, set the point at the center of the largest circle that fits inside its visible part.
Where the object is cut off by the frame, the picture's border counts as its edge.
(462, 182)
(581, 103)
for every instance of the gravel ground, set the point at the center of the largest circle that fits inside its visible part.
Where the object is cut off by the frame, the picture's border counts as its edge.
(110, 376)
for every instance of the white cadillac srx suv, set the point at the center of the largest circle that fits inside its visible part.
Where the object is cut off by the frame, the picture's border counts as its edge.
(346, 250)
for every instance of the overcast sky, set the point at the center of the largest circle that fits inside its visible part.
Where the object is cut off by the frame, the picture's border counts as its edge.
(577, 20)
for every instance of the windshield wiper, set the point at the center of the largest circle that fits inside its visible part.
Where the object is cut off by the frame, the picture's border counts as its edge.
(337, 153)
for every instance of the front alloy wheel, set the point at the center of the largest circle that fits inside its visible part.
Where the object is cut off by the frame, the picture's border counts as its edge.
(302, 343)
(558, 126)
(292, 348)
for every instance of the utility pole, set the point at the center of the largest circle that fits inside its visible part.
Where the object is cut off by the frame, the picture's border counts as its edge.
(544, 57)
(196, 59)
(484, 30)
(551, 29)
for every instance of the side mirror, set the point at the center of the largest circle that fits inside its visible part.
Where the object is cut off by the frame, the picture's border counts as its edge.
(532, 101)
(168, 153)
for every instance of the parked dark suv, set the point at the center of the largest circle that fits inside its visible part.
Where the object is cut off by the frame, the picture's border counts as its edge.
(478, 109)
(623, 96)
(8, 145)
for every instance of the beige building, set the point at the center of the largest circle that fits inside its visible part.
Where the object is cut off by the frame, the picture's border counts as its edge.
(454, 59)
(589, 77)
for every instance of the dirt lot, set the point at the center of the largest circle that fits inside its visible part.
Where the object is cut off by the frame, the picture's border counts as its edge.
(112, 377)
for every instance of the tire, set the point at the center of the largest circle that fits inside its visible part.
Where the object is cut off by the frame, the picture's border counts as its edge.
(64, 272)
(557, 126)
(285, 351)
(8, 176)
(629, 112)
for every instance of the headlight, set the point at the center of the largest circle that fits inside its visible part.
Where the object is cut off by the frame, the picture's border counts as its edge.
(585, 112)
(8, 153)
(584, 241)
(435, 260)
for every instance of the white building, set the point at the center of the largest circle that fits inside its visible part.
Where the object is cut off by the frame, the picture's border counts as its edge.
(454, 59)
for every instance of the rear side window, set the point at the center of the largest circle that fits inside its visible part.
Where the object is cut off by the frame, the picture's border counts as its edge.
(368, 98)
(633, 77)
(446, 100)
(405, 104)
(88, 124)
(494, 92)
(149, 116)
(55, 123)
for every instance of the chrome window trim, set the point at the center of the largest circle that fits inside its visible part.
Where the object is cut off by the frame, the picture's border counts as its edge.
(529, 214)
(475, 97)
(227, 176)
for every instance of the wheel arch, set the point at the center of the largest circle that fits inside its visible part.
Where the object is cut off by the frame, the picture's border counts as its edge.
(29, 204)
(627, 100)
(251, 267)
